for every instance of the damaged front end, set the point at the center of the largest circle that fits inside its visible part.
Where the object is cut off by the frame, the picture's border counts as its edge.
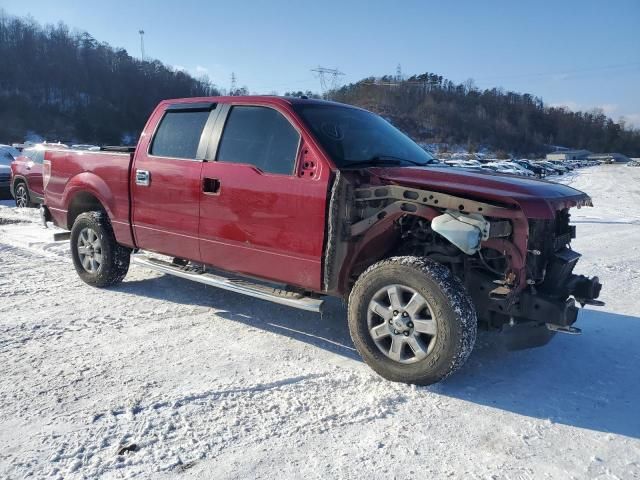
(518, 270)
(548, 298)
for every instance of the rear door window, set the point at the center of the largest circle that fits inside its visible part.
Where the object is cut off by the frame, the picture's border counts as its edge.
(178, 134)
(259, 136)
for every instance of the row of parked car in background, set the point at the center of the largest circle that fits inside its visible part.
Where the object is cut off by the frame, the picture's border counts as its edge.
(522, 167)
(21, 169)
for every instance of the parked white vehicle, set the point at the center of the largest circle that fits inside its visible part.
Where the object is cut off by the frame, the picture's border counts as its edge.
(501, 167)
(468, 164)
(520, 169)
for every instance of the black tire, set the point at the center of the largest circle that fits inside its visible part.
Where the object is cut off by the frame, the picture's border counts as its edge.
(22, 196)
(114, 258)
(448, 302)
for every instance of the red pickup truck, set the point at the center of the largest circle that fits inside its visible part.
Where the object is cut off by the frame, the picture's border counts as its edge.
(291, 200)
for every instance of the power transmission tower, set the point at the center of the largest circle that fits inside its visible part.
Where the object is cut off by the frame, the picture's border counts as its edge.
(328, 78)
(141, 32)
(399, 73)
(233, 84)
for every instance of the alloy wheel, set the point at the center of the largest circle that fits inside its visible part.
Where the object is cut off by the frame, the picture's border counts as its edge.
(90, 250)
(401, 323)
(22, 197)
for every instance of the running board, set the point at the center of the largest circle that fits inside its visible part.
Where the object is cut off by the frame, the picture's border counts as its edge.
(256, 290)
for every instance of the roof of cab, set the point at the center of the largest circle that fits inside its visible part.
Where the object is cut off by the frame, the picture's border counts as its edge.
(268, 99)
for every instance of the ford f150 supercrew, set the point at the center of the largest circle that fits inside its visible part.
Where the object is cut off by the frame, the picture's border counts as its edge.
(291, 200)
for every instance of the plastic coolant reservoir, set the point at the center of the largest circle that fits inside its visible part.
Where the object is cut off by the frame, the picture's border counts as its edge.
(464, 231)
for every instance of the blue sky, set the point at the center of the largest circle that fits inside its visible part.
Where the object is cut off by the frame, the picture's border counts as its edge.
(578, 53)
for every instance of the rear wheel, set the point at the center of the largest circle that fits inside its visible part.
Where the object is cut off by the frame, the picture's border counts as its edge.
(99, 260)
(411, 320)
(22, 196)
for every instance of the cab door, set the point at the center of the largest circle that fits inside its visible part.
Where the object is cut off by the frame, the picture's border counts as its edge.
(165, 180)
(262, 211)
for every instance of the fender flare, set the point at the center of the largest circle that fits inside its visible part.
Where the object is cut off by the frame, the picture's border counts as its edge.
(87, 182)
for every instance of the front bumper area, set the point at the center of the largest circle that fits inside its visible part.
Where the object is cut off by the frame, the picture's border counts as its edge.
(528, 307)
(528, 316)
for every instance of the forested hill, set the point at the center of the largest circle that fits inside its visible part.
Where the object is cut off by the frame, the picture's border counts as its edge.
(433, 109)
(67, 86)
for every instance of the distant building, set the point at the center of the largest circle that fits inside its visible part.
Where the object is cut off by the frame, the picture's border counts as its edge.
(609, 157)
(569, 155)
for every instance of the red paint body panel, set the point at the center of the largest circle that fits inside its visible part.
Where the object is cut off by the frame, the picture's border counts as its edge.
(29, 170)
(270, 226)
(34, 178)
(103, 175)
(165, 214)
(537, 198)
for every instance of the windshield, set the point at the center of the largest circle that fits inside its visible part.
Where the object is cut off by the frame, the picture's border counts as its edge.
(354, 137)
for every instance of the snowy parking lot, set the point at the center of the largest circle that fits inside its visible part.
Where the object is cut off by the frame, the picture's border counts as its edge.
(202, 383)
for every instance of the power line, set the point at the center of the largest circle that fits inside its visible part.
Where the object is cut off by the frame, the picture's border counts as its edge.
(328, 78)
(593, 69)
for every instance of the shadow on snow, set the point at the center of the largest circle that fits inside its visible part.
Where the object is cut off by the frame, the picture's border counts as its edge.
(590, 381)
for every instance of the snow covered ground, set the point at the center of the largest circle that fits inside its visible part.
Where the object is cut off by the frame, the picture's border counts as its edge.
(209, 384)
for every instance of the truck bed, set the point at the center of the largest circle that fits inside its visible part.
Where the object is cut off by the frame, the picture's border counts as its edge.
(105, 174)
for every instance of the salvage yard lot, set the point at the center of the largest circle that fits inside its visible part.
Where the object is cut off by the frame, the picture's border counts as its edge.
(210, 384)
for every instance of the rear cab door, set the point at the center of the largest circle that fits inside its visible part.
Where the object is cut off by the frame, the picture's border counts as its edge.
(263, 196)
(165, 178)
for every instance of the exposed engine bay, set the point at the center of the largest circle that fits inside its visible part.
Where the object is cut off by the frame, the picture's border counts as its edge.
(518, 271)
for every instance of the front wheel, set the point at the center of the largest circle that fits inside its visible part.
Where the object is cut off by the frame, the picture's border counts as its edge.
(412, 320)
(99, 260)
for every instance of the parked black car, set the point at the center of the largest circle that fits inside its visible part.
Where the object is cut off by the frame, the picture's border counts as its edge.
(532, 167)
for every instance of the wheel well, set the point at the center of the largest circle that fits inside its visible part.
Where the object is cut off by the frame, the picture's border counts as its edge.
(82, 202)
(402, 237)
(18, 180)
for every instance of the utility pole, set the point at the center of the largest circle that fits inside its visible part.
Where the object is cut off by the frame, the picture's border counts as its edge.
(141, 32)
(233, 84)
(328, 78)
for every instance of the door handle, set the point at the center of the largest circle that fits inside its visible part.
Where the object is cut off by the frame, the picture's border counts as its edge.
(211, 186)
(143, 178)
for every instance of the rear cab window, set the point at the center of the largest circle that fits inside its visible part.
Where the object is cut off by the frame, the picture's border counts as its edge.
(259, 136)
(178, 134)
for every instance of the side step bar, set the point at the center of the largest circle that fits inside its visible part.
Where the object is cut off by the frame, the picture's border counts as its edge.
(264, 292)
